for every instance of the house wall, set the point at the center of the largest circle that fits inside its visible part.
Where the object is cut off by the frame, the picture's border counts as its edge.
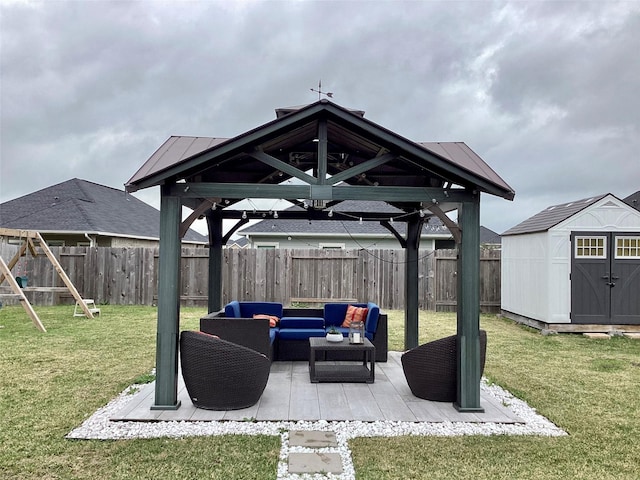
(348, 242)
(129, 242)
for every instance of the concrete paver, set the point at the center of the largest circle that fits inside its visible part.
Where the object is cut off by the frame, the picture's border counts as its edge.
(312, 439)
(315, 463)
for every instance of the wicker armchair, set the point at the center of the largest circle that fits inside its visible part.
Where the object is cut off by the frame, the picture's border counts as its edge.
(431, 368)
(221, 375)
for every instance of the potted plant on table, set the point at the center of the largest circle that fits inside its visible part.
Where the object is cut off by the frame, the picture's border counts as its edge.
(334, 335)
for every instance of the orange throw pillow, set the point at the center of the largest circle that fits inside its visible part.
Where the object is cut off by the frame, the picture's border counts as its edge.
(273, 320)
(354, 314)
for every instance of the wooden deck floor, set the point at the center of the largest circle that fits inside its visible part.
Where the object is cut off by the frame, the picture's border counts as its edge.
(290, 396)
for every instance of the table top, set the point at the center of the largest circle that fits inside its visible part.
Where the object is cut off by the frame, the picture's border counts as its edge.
(321, 342)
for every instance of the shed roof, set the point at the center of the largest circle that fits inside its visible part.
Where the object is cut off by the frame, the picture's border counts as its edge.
(552, 216)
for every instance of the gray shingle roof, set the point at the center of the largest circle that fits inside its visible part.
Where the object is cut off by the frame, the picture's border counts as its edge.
(551, 216)
(85, 207)
(633, 200)
(348, 224)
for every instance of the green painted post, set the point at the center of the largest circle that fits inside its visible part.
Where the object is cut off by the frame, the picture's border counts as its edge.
(468, 311)
(414, 226)
(214, 224)
(166, 394)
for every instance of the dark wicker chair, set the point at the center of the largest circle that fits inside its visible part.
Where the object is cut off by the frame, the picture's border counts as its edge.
(431, 369)
(221, 375)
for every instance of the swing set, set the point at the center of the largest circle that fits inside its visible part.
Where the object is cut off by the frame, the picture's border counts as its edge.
(18, 285)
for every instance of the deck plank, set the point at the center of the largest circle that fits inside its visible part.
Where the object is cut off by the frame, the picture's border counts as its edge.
(290, 396)
(334, 404)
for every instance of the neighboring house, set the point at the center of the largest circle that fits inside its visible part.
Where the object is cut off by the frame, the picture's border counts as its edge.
(350, 232)
(633, 200)
(78, 213)
(574, 267)
(241, 242)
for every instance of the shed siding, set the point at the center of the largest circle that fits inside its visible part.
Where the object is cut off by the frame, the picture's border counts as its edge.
(557, 283)
(523, 267)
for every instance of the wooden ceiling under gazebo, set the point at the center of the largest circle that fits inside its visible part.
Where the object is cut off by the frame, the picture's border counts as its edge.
(335, 154)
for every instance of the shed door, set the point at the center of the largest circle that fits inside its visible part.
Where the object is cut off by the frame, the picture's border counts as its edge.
(605, 278)
(625, 295)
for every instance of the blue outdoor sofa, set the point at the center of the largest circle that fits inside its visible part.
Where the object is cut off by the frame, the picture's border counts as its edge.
(289, 339)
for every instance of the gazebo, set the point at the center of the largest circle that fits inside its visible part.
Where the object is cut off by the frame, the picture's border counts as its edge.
(335, 154)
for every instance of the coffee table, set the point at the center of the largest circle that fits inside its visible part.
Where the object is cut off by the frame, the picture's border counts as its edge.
(341, 371)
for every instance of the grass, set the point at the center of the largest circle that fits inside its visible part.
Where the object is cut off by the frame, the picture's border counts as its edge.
(51, 382)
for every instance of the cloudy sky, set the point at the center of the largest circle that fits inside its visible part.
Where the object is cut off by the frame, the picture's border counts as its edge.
(547, 93)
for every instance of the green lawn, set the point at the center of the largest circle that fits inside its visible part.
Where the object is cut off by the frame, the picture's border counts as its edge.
(52, 381)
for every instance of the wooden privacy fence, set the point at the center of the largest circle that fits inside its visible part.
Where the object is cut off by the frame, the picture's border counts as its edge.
(129, 276)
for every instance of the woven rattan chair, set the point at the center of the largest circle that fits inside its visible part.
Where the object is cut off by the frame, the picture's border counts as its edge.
(221, 375)
(431, 368)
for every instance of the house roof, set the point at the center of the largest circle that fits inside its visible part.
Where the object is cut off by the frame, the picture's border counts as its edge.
(552, 216)
(633, 200)
(352, 226)
(287, 147)
(348, 223)
(80, 206)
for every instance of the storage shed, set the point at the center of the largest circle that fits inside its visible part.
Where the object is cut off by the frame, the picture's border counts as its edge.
(575, 267)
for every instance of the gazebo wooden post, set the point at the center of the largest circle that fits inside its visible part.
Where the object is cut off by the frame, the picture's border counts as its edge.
(468, 310)
(214, 224)
(414, 227)
(166, 393)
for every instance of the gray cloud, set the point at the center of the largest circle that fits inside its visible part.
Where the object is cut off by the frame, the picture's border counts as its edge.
(545, 92)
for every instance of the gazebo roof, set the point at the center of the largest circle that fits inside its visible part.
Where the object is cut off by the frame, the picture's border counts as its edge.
(288, 147)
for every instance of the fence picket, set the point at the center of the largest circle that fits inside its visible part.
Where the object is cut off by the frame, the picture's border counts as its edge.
(130, 276)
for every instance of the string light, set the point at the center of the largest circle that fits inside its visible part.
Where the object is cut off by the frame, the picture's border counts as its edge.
(360, 221)
(244, 215)
(330, 213)
(275, 214)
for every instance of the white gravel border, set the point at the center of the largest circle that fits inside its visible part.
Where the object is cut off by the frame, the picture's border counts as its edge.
(100, 427)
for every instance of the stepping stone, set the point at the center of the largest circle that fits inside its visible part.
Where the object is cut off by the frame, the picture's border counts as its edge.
(315, 463)
(312, 439)
(597, 335)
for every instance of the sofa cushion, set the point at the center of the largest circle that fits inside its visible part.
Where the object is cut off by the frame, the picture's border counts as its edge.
(300, 333)
(302, 322)
(354, 314)
(249, 309)
(232, 309)
(371, 324)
